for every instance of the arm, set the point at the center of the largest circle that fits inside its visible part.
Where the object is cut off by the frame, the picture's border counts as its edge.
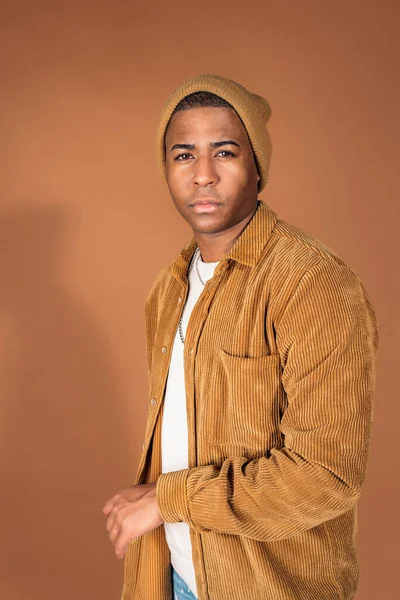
(327, 339)
(151, 313)
(133, 511)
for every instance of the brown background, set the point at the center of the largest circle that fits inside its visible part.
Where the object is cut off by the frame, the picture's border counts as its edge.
(86, 222)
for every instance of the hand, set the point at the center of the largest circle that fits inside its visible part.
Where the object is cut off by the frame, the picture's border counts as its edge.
(131, 513)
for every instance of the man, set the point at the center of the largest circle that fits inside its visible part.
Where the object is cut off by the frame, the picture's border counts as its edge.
(260, 406)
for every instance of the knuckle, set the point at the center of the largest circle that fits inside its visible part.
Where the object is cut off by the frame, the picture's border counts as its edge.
(115, 512)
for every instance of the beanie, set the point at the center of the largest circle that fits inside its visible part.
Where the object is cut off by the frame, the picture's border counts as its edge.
(253, 110)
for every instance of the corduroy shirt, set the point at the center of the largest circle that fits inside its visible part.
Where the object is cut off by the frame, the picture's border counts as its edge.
(280, 364)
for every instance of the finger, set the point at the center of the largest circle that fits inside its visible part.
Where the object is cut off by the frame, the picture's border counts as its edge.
(108, 506)
(118, 525)
(114, 533)
(124, 551)
(110, 521)
(115, 511)
(121, 544)
(110, 503)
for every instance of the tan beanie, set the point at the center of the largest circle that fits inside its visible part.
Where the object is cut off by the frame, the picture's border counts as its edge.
(253, 110)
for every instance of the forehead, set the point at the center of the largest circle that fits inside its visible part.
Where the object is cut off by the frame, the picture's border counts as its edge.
(206, 122)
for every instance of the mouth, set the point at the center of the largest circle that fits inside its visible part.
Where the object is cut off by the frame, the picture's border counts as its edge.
(206, 205)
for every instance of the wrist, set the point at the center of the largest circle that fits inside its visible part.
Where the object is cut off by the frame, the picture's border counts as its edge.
(172, 497)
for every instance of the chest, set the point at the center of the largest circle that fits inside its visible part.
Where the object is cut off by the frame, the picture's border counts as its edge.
(232, 372)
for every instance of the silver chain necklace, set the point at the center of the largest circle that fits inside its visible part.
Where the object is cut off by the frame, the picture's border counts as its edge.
(194, 261)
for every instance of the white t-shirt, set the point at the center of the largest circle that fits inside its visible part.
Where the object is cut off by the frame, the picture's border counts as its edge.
(174, 431)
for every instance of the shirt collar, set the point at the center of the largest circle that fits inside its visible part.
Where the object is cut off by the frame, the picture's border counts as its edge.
(247, 248)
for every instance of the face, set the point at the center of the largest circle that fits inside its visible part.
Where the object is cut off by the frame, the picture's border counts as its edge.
(209, 157)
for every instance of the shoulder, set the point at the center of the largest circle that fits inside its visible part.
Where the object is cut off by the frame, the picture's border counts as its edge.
(291, 252)
(302, 248)
(299, 264)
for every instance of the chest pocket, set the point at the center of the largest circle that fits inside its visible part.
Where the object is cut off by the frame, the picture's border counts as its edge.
(252, 403)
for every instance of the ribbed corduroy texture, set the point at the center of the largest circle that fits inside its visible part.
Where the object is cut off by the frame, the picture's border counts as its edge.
(280, 369)
(254, 111)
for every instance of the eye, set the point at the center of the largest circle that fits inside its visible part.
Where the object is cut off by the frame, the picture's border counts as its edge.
(181, 155)
(227, 153)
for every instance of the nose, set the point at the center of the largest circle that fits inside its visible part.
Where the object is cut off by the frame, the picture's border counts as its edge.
(204, 172)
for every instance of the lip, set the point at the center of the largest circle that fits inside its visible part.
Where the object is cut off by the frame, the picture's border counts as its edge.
(205, 205)
(204, 201)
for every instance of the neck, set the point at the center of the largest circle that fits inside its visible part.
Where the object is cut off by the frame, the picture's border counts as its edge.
(214, 246)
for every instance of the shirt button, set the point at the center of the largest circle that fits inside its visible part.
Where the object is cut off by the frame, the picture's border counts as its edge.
(153, 401)
(164, 349)
(191, 350)
(179, 299)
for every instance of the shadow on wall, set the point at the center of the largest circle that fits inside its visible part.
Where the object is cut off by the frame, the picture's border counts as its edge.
(60, 418)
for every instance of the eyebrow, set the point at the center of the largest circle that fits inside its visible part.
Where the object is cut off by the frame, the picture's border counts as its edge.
(212, 145)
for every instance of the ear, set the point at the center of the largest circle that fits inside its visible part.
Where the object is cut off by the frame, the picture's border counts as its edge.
(257, 169)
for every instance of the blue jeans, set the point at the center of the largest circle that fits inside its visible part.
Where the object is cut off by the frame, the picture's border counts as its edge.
(180, 589)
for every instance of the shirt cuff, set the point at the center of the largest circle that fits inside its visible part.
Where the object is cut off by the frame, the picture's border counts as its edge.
(172, 497)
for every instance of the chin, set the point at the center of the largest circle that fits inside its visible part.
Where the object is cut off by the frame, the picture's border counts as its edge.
(209, 225)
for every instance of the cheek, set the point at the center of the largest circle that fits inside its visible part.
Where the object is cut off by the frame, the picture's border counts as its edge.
(237, 175)
(176, 186)
(249, 176)
(171, 175)
(178, 179)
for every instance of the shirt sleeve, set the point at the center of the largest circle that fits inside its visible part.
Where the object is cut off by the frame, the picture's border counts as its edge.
(327, 339)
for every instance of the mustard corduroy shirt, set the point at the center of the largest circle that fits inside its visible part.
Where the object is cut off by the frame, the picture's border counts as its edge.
(280, 368)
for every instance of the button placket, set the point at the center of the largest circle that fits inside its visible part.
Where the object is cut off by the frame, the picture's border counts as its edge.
(207, 295)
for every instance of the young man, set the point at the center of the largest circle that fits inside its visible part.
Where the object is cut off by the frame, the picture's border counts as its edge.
(260, 406)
